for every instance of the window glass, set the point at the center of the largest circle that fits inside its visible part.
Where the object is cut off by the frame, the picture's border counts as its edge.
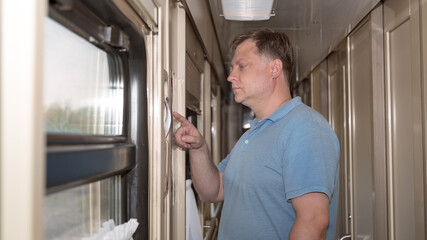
(151, 8)
(83, 86)
(79, 212)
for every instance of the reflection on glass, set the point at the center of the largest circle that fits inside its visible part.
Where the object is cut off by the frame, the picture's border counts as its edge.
(150, 7)
(79, 212)
(83, 87)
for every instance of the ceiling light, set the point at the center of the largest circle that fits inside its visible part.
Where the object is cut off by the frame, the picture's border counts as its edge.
(247, 10)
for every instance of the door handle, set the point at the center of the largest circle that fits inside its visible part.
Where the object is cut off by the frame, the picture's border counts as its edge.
(167, 117)
(345, 237)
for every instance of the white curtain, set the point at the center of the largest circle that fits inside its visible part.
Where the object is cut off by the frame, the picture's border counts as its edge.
(193, 228)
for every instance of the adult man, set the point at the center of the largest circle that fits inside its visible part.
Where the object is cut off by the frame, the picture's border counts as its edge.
(280, 179)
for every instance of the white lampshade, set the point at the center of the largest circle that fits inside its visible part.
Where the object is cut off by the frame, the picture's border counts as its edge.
(247, 10)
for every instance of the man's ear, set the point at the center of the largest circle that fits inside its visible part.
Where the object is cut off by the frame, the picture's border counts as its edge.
(276, 68)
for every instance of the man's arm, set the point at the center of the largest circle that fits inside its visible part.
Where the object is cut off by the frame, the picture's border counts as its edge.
(206, 177)
(312, 216)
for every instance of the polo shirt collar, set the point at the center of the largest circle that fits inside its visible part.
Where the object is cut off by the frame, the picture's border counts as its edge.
(284, 109)
(281, 111)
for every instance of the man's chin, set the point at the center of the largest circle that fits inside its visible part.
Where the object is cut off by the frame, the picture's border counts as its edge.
(241, 101)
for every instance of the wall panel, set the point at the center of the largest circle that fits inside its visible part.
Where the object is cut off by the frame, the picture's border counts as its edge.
(361, 129)
(405, 174)
(337, 68)
(319, 89)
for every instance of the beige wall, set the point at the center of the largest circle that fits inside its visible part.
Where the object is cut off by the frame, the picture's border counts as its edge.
(406, 188)
(22, 150)
(384, 127)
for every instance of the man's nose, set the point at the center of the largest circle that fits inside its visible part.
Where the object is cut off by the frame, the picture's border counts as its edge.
(232, 77)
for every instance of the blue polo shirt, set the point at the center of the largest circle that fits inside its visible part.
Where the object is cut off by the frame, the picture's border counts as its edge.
(292, 152)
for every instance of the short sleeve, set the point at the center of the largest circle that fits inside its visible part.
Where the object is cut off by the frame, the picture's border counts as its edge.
(310, 158)
(223, 164)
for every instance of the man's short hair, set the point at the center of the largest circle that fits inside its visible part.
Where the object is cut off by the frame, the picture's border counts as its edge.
(271, 44)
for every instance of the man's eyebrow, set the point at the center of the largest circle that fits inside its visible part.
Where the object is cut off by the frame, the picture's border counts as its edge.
(237, 61)
(234, 63)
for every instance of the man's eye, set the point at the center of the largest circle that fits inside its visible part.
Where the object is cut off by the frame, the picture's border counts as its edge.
(242, 66)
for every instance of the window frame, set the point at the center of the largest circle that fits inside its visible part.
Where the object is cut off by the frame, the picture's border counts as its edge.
(83, 22)
(128, 153)
(74, 159)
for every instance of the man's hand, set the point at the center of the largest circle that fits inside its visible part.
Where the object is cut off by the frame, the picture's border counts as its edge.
(187, 136)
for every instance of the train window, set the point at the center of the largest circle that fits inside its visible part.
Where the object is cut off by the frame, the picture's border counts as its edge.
(79, 212)
(83, 87)
(94, 75)
(149, 6)
(147, 10)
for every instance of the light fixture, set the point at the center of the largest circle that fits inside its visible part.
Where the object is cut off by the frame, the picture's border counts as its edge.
(247, 10)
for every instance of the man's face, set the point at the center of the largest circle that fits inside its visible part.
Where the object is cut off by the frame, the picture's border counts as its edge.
(249, 74)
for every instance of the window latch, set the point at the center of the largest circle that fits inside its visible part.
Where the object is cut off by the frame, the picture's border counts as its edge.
(116, 38)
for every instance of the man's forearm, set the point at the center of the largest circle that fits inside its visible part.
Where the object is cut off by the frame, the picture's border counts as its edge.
(205, 175)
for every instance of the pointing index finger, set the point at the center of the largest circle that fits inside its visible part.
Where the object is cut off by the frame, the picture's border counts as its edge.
(180, 118)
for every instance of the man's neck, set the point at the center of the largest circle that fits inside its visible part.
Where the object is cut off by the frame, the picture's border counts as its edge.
(265, 109)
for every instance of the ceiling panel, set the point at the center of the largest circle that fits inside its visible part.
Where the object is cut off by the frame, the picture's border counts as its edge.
(312, 25)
